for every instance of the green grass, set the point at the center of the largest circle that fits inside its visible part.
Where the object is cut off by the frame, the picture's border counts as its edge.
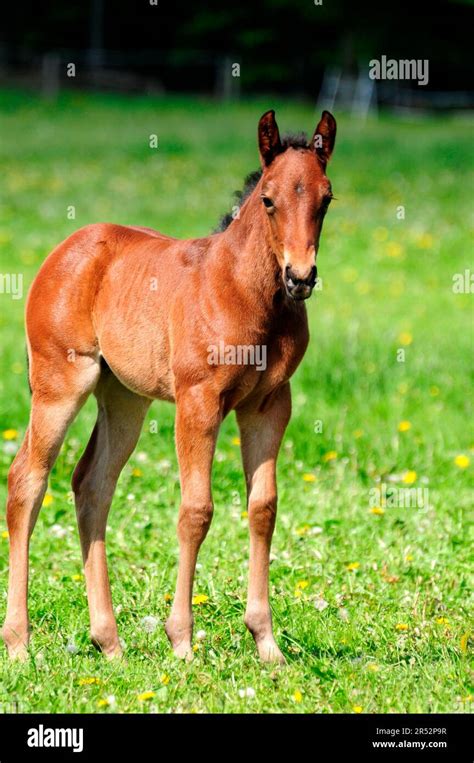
(381, 276)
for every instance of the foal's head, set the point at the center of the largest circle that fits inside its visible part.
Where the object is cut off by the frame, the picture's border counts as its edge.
(295, 194)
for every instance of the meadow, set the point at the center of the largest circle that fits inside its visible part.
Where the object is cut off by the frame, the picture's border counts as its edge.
(370, 597)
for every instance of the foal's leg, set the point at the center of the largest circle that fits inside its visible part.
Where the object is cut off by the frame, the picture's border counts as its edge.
(52, 410)
(197, 423)
(113, 439)
(261, 435)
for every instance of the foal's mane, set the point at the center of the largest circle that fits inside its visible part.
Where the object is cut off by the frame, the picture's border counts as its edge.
(290, 140)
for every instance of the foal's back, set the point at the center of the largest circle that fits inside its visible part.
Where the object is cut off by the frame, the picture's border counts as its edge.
(107, 291)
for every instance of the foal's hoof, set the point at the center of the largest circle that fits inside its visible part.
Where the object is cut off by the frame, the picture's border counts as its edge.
(180, 640)
(17, 647)
(269, 652)
(112, 651)
(183, 651)
(114, 654)
(18, 653)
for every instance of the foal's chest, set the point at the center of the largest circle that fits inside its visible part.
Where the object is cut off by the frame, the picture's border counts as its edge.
(261, 368)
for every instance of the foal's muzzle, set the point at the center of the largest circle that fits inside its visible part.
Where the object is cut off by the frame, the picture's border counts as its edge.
(299, 288)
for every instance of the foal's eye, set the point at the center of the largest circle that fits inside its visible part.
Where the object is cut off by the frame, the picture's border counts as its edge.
(268, 203)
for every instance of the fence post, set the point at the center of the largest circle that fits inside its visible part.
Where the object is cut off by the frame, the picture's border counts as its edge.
(50, 65)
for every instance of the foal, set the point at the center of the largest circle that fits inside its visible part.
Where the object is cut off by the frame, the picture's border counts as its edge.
(133, 315)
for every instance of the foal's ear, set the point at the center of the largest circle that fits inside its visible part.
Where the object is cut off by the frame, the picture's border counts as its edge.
(269, 142)
(324, 137)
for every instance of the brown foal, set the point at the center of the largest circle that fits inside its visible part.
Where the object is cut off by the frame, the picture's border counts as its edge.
(131, 315)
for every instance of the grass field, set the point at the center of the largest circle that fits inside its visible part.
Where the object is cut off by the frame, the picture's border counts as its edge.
(370, 601)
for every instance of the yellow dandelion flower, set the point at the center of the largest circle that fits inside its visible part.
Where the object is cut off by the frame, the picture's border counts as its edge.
(462, 461)
(298, 593)
(10, 434)
(349, 275)
(5, 534)
(378, 511)
(393, 249)
(469, 698)
(409, 477)
(380, 234)
(303, 530)
(244, 515)
(302, 584)
(165, 679)
(47, 500)
(145, 696)
(363, 287)
(167, 597)
(236, 441)
(409, 558)
(196, 647)
(442, 621)
(352, 566)
(401, 627)
(405, 338)
(404, 426)
(425, 241)
(200, 598)
(309, 478)
(136, 472)
(77, 577)
(464, 642)
(358, 433)
(329, 456)
(297, 696)
(357, 708)
(89, 681)
(373, 667)
(103, 703)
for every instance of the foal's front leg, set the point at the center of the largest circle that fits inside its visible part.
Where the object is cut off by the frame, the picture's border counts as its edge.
(261, 434)
(197, 423)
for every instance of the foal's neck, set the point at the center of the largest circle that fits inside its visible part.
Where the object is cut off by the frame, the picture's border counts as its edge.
(253, 265)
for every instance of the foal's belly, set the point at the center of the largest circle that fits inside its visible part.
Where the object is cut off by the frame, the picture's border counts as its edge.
(137, 351)
(141, 363)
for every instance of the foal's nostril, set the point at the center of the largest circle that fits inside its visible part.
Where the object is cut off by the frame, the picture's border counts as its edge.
(308, 280)
(290, 275)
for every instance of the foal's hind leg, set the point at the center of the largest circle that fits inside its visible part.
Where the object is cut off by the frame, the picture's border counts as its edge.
(261, 435)
(113, 439)
(52, 410)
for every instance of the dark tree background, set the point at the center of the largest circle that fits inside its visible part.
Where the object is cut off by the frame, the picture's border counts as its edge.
(280, 44)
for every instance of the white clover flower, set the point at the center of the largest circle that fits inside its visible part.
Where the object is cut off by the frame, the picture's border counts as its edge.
(57, 531)
(10, 448)
(248, 692)
(320, 604)
(201, 635)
